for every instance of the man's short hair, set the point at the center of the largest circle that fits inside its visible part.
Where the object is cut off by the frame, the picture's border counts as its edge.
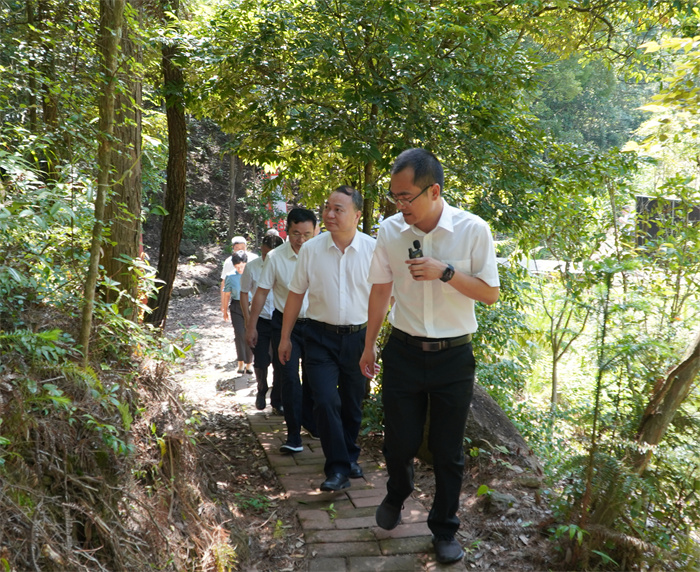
(238, 240)
(426, 167)
(298, 214)
(272, 241)
(354, 194)
(238, 257)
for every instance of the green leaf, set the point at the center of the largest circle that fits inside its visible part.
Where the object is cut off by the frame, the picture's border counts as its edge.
(158, 210)
(483, 490)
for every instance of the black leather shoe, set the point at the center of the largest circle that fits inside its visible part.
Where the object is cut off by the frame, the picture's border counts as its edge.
(447, 549)
(337, 482)
(260, 401)
(355, 471)
(388, 516)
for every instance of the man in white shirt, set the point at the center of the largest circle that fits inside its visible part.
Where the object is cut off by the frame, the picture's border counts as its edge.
(263, 353)
(436, 261)
(276, 275)
(333, 269)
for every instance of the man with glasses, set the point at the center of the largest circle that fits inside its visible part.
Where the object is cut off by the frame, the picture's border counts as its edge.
(276, 274)
(428, 359)
(333, 269)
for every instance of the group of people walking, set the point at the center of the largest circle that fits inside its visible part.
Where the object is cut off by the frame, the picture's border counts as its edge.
(319, 300)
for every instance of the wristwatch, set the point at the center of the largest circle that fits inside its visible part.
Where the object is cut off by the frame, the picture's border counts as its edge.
(448, 273)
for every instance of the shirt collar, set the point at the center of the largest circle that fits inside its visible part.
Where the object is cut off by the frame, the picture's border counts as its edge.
(446, 220)
(290, 251)
(330, 244)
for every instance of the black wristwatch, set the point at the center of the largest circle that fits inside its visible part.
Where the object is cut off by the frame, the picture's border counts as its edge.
(448, 273)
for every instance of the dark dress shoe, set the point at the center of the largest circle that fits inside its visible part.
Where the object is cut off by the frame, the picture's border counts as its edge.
(447, 549)
(260, 401)
(355, 471)
(388, 516)
(337, 482)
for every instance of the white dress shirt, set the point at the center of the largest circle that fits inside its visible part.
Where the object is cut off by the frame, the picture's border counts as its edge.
(249, 284)
(277, 273)
(336, 282)
(229, 268)
(432, 308)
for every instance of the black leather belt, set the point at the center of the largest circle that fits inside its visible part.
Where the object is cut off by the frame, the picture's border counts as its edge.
(340, 329)
(431, 344)
(299, 320)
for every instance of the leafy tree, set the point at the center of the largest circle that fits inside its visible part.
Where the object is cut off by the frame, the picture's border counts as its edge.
(679, 269)
(175, 193)
(331, 91)
(585, 102)
(111, 14)
(123, 209)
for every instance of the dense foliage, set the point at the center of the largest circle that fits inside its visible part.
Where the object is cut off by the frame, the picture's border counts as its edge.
(528, 105)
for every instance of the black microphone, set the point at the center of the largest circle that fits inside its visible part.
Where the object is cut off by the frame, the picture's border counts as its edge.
(415, 252)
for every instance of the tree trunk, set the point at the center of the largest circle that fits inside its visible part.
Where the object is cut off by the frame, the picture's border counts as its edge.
(665, 400)
(123, 213)
(31, 105)
(235, 187)
(368, 205)
(664, 403)
(111, 12)
(175, 190)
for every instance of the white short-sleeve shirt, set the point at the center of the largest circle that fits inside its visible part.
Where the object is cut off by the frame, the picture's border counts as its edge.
(432, 308)
(249, 284)
(277, 273)
(336, 282)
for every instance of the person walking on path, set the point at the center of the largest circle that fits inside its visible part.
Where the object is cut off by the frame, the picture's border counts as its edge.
(333, 269)
(232, 305)
(436, 260)
(264, 354)
(238, 244)
(276, 275)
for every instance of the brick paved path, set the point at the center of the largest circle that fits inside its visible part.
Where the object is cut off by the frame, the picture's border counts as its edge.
(339, 528)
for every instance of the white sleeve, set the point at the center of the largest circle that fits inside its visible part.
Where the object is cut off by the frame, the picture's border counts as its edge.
(300, 279)
(379, 269)
(246, 280)
(267, 275)
(228, 268)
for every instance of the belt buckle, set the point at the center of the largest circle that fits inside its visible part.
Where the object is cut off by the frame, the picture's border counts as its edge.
(343, 329)
(433, 346)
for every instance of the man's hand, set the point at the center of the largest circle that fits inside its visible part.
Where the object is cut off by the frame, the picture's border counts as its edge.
(426, 268)
(284, 351)
(251, 335)
(368, 363)
(225, 309)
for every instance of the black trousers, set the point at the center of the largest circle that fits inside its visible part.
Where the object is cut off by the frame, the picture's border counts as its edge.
(338, 387)
(413, 380)
(296, 396)
(265, 353)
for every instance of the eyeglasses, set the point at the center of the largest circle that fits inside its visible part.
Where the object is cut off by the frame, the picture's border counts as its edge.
(405, 202)
(298, 235)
